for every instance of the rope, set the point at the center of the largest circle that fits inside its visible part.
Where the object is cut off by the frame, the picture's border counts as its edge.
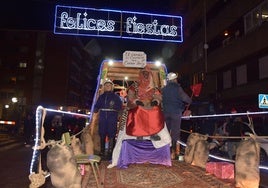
(224, 115)
(225, 137)
(123, 119)
(42, 139)
(37, 180)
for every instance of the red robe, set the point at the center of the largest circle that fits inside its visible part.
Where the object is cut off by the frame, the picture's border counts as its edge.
(144, 120)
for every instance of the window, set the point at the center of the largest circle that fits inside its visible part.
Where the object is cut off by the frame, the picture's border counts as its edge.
(21, 78)
(198, 52)
(227, 79)
(194, 54)
(263, 67)
(241, 75)
(24, 49)
(198, 77)
(23, 65)
(264, 11)
(256, 16)
(13, 80)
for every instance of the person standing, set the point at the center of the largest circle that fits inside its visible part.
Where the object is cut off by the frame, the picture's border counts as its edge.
(234, 130)
(28, 128)
(108, 105)
(174, 100)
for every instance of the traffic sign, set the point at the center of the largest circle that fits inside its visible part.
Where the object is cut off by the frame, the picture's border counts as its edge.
(263, 100)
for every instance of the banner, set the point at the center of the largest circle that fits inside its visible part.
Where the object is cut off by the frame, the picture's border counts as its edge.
(117, 24)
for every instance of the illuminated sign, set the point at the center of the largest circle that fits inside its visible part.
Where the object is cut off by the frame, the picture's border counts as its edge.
(117, 24)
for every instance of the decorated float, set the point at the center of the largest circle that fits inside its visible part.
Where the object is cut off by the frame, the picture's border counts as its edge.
(123, 73)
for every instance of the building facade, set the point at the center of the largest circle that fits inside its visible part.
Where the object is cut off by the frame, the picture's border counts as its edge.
(40, 68)
(226, 49)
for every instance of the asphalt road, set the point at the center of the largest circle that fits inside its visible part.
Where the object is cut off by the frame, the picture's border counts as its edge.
(15, 161)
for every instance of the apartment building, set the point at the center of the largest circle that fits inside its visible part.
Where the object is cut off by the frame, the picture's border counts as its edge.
(225, 48)
(40, 68)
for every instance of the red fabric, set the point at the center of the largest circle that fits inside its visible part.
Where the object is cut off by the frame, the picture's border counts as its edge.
(144, 122)
(222, 170)
(196, 89)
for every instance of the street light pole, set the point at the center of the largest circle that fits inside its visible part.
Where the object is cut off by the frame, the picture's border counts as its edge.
(205, 36)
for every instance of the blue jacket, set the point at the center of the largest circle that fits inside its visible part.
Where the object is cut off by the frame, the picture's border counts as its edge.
(174, 98)
(108, 102)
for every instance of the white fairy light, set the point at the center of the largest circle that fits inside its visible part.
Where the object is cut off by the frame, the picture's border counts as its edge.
(224, 115)
(38, 122)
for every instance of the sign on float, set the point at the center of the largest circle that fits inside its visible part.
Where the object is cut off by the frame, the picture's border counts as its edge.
(134, 59)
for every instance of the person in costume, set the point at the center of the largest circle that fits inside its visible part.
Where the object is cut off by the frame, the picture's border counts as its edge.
(174, 102)
(142, 119)
(108, 105)
(144, 115)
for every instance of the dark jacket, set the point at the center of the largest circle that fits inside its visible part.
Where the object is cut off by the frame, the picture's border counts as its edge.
(108, 101)
(174, 98)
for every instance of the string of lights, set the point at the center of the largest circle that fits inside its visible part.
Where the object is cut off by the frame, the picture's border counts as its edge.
(36, 149)
(225, 115)
(36, 152)
(67, 112)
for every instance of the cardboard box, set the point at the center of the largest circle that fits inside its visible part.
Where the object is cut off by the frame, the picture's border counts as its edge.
(211, 167)
(222, 170)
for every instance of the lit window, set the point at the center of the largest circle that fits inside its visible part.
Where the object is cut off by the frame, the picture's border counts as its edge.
(13, 79)
(23, 65)
(264, 11)
(255, 17)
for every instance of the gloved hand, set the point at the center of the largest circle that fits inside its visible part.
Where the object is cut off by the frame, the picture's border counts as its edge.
(154, 103)
(139, 103)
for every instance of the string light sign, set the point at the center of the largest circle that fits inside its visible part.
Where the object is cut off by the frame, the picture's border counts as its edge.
(117, 24)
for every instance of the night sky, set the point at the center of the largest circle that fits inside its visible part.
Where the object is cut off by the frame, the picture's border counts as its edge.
(38, 15)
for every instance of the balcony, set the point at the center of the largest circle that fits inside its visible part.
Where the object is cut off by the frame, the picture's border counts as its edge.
(239, 48)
